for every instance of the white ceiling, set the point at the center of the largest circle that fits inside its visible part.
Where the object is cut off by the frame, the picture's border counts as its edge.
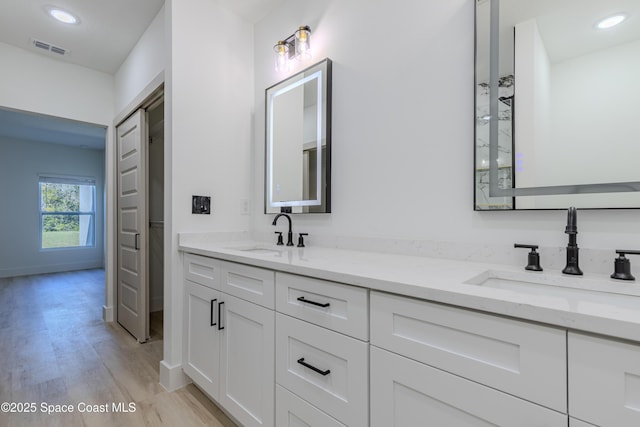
(107, 32)
(568, 28)
(24, 126)
(102, 40)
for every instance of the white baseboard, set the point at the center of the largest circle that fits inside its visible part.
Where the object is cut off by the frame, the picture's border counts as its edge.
(172, 377)
(53, 268)
(107, 313)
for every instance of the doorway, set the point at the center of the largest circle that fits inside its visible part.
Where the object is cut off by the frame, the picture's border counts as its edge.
(140, 220)
(52, 171)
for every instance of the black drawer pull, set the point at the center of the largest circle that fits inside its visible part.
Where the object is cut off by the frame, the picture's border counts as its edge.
(212, 323)
(319, 304)
(313, 368)
(220, 327)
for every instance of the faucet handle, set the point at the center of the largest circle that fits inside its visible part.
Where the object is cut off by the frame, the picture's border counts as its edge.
(280, 241)
(533, 259)
(622, 266)
(301, 239)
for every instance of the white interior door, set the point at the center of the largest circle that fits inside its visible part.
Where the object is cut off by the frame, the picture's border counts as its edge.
(133, 308)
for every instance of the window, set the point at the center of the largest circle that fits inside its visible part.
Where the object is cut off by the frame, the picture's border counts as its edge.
(67, 212)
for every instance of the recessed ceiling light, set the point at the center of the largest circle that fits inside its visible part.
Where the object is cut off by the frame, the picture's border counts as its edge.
(611, 21)
(62, 15)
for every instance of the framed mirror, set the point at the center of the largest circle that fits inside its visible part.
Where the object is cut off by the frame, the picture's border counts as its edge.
(556, 104)
(298, 142)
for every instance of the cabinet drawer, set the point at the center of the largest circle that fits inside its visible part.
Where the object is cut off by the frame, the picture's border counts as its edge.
(338, 307)
(521, 358)
(604, 381)
(202, 270)
(340, 382)
(291, 411)
(405, 393)
(249, 283)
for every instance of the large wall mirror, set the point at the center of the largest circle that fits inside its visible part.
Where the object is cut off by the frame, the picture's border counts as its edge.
(298, 142)
(557, 104)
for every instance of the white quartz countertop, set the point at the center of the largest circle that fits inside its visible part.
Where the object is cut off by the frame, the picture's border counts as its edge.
(593, 303)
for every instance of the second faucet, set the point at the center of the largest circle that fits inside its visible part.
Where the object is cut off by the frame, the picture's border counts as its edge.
(290, 233)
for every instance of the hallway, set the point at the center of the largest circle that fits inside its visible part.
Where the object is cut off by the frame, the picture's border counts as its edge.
(57, 354)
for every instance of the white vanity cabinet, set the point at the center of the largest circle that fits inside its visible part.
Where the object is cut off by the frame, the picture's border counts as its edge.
(468, 368)
(604, 380)
(228, 342)
(322, 353)
(287, 350)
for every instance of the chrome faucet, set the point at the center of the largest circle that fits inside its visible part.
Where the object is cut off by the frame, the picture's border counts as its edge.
(572, 248)
(290, 234)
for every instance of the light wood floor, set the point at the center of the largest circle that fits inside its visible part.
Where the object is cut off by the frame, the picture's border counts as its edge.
(56, 350)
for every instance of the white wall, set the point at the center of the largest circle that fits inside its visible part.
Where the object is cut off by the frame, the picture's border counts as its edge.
(592, 136)
(403, 131)
(34, 82)
(145, 61)
(208, 99)
(595, 114)
(140, 74)
(532, 104)
(20, 164)
(37, 83)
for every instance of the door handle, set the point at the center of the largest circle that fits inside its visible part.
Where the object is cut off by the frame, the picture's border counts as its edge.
(313, 368)
(308, 301)
(220, 327)
(137, 241)
(212, 323)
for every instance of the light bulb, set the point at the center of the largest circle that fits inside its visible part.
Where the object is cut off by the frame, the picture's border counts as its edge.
(303, 43)
(282, 56)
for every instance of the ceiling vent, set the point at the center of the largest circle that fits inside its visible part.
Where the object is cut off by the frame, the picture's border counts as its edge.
(49, 47)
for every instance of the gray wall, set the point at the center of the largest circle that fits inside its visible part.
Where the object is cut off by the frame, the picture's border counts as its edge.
(20, 164)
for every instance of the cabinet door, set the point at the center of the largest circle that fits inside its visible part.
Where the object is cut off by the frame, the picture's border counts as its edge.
(406, 393)
(604, 380)
(201, 346)
(247, 362)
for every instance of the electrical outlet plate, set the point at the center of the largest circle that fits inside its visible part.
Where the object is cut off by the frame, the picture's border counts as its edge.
(201, 205)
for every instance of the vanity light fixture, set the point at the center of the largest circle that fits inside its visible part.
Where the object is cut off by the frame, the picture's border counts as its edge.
(62, 15)
(297, 45)
(611, 21)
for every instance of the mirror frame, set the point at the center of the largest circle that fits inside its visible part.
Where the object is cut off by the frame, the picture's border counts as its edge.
(324, 130)
(494, 77)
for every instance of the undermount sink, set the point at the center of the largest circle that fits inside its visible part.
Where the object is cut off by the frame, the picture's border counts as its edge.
(261, 250)
(257, 249)
(577, 289)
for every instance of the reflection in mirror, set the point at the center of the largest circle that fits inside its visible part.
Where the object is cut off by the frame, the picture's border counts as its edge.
(556, 105)
(298, 142)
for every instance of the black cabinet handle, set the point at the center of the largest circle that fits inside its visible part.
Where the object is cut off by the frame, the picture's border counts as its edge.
(212, 323)
(319, 304)
(220, 327)
(313, 368)
(136, 239)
